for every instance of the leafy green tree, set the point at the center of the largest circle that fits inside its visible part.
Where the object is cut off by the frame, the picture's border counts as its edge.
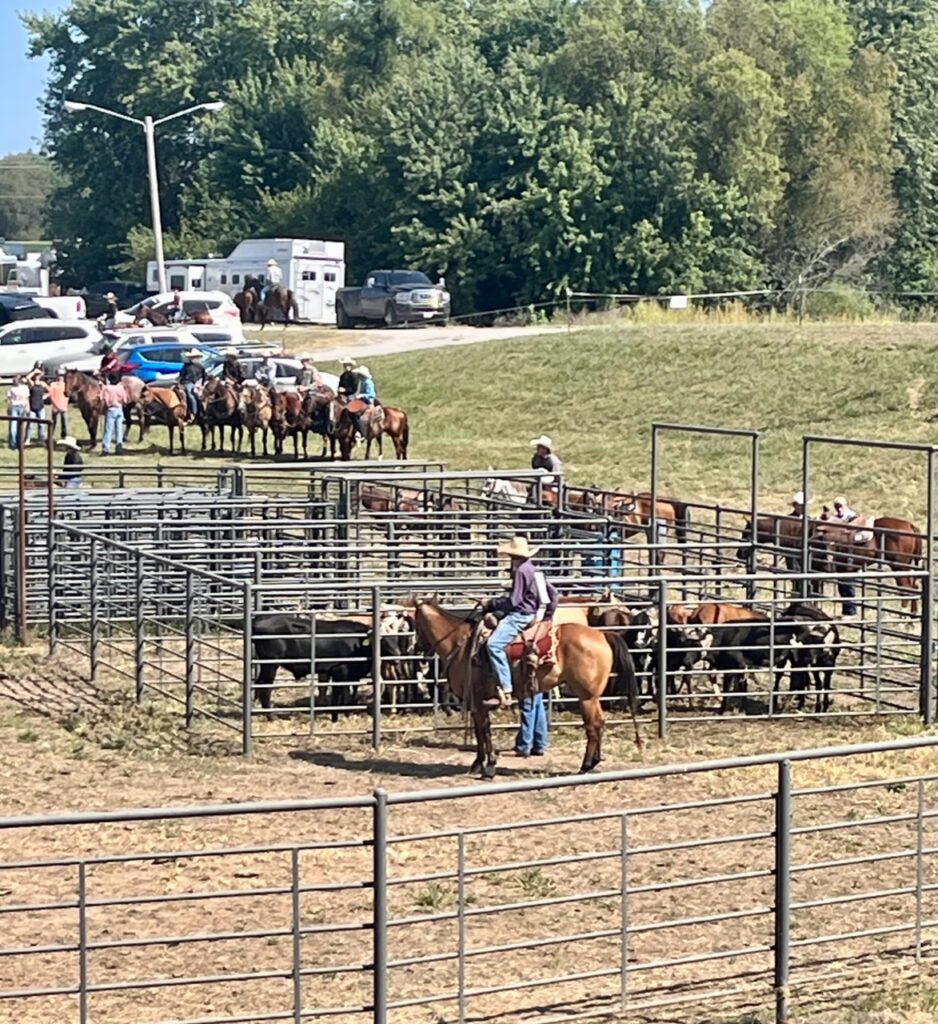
(26, 179)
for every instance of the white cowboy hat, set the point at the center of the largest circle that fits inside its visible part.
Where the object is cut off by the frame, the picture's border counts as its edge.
(271, 262)
(193, 353)
(797, 498)
(111, 297)
(517, 547)
(69, 442)
(542, 442)
(348, 361)
(840, 500)
(363, 371)
(305, 356)
(231, 351)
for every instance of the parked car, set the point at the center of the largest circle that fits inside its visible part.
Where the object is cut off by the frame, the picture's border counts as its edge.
(24, 342)
(218, 305)
(14, 306)
(127, 292)
(59, 307)
(120, 341)
(149, 361)
(286, 371)
(393, 297)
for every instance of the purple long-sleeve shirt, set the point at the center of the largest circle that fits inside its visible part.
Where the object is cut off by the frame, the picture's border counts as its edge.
(525, 596)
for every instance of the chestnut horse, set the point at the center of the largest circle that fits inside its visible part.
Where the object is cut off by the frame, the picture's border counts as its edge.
(256, 413)
(584, 662)
(164, 405)
(393, 423)
(633, 511)
(888, 540)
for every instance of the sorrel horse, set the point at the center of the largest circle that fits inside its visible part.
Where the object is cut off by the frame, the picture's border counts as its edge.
(222, 408)
(888, 540)
(376, 422)
(584, 662)
(287, 419)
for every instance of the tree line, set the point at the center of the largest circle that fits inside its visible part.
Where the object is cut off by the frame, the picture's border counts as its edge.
(519, 147)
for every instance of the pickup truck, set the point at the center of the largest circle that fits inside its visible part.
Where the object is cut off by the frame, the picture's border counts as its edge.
(393, 297)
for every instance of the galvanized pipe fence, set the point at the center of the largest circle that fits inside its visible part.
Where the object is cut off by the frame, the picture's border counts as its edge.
(772, 882)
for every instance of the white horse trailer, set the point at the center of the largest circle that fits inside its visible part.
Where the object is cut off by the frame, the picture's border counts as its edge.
(313, 270)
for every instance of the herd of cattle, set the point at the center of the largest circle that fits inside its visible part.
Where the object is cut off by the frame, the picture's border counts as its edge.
(726, 642)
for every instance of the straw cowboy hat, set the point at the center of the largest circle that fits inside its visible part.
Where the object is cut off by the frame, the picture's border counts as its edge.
(231, 351)
(517, 547)
(69, 442)
(797, 498)
(305, 357)
(348, 361)
(363, 371)
(111, 297)
(271, 262)
(193, 353)
(543, 442)
(840, 500)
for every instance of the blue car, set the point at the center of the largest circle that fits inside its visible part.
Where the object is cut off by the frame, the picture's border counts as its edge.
(160, 359)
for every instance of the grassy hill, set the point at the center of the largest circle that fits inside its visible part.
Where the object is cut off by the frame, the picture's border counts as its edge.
(596, 391)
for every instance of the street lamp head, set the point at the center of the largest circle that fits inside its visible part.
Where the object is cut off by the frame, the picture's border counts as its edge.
(213, 105)
(74, 107)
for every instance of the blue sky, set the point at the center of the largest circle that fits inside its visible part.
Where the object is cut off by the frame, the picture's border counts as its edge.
(21, 80)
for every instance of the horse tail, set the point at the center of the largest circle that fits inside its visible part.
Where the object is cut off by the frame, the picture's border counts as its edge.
(405, 435)
(625, 681)
(681, 519)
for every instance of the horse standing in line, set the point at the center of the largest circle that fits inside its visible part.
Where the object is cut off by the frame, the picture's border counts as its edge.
(256, 413)
(584, 662)
(222, 407)
(376, 422)
(167, 407)
(321, 411)
(88, 394)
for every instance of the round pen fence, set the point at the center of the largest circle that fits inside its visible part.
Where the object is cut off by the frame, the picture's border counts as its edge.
(762, 885)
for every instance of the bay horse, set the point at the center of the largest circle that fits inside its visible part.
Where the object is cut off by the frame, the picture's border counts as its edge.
(391, 421)
(850, 547)
(256, 413)
(149, 315)
(584, 663)
(321, 413)
(279, 300)
(168, 407)
(88, 394)
(222, 408)
(287, 419)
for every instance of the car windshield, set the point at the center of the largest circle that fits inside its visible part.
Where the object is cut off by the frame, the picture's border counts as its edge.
(408, 277)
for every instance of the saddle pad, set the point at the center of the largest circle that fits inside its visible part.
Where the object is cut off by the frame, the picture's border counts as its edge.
(518, 648)
(356, 405)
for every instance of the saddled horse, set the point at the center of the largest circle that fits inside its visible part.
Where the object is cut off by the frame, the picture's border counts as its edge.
(149, 315)
(288, 419)
(256, 413)
(376, 421)
(321, 410)
(852, 547)
(221, 407)
(783, 534)
(168, 407)
(583, 662)
(633, 512)
(88, 394)
(279, 305)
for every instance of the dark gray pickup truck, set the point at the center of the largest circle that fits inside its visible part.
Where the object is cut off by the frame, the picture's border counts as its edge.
(393, 297)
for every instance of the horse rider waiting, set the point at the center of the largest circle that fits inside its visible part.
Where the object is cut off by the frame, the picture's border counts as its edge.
(274, 277)
(843, 513)
(348, 381)
(545, 459)
(176, 311)
(797, 504)
(110, 310)
(531, 599)
(231, 371)
(72, 464)
(114, 397)
(192, 377)
(365, 392)
(109, 362)
(308, 376)
(266, 372)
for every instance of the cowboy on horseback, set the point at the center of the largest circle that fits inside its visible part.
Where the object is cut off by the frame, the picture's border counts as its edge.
(192, 377)
(531, 599)
(308, 376)
(266, 372)
(109, 362)
(274, 278)
(545, 459)
(231, 371)
(348, 380)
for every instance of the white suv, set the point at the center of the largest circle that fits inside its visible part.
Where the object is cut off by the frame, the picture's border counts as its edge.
(218, 305)
(25, 342)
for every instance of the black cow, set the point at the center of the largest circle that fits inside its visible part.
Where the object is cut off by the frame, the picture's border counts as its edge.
(815, 651)
(342, 657)
(687, 648)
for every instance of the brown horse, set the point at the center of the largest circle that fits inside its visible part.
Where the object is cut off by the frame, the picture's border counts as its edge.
(166, 406)
(633, 513)
(149, 315)
(321, 412)
(584, 662)
(392, 422)
(88, 393)
(222, 408)
(256, 413)
(246, 300)
(280, 300)
(887, 540)
(287, 419)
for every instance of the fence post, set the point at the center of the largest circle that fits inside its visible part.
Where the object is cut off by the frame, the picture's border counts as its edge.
(53, 606)
(139, 626)
(919, 865)
(376, 667)
(927, 641)
(295, 895)
(461, 922)
(190, 649)
(380, 907)
(662, 667)
(82, 945)
(782, 890)
(624, 921)
(247, 669)
(93, 607)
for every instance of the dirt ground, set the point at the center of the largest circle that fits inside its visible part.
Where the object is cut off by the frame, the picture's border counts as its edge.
(68, 746)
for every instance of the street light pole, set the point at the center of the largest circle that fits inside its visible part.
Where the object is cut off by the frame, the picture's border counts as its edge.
(149, 126)
(148, 131)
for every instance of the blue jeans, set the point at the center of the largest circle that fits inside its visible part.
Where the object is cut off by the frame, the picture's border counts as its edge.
(509, 627)
(848, 591)
(17, 410)
(39, 428)
(532, 732)
(62, 417)
(71, 481)
(113, 423)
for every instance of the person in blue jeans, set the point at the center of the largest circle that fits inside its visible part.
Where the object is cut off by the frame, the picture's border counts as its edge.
(114, 397)
(531, 599)
(531, 738)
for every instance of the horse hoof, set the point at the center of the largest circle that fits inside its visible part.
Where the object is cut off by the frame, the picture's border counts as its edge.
(476, 766)
(488, 771)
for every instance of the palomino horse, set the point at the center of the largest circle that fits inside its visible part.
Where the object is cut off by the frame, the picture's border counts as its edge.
(222, 408)
(584, 662)
(166, 406)
(256, 413)
(376, 422)
(851, 548)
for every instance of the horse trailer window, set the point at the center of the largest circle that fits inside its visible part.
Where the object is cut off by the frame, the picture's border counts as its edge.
(197, 283)
(177, 282)
(329, 275)
(224, 278)
(235, 278)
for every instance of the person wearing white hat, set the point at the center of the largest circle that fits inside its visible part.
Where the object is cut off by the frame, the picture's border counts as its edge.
(273, 277)
(110, 310)
(545, 459)
(797, 503)
(308, 376)
(845, 514)
(193, 377)
(72, 463)
(531, 599)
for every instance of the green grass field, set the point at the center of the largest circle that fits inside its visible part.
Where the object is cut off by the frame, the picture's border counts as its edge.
(596, 391)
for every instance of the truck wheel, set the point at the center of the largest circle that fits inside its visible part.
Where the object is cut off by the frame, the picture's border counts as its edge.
(342, 320)
(390, 315)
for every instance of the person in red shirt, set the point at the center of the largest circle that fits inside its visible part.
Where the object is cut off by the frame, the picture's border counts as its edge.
(114, 397)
